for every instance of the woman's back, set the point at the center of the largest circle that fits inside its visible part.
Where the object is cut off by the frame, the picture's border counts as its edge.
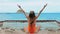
(32, 25)
(32, 21)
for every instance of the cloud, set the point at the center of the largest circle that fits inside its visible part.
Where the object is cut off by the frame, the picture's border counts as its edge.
(6, 6)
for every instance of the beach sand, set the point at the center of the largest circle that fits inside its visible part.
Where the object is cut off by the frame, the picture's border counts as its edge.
(12, 31)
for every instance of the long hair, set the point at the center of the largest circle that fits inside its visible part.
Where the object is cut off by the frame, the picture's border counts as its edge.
(32, 16)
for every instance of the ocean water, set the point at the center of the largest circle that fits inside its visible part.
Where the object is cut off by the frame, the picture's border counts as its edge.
(18, 25)
(15, 16)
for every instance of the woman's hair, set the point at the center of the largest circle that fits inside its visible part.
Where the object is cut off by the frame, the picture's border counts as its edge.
(32, 16)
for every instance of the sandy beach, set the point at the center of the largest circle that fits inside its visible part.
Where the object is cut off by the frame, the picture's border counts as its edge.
(14, 31)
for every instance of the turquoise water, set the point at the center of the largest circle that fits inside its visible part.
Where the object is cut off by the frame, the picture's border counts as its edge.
(43, 16)
(18, 25)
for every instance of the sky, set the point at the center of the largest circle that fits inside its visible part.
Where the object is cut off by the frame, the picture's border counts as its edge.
(10, 6)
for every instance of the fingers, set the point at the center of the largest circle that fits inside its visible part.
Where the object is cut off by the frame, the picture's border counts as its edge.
(19, 6)
(45, 5)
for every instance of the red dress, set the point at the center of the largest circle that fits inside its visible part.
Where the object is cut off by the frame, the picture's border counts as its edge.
(32, 28)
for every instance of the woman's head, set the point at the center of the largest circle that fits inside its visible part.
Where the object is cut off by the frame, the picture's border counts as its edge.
(31, 14)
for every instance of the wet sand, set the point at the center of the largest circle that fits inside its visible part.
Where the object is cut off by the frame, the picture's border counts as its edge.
(11, 31)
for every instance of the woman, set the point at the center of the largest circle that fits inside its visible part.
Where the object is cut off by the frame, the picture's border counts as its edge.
(32, 20)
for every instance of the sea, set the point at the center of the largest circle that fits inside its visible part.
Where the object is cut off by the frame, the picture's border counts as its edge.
(21, 16)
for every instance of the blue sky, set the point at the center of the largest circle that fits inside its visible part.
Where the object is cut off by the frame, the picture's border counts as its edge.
(10, 6)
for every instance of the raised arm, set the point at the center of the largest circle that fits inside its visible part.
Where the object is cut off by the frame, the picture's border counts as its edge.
(23, 11)
(41, 11)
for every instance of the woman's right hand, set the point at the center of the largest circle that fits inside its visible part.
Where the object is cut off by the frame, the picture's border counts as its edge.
(20, 10)
(19, 6)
